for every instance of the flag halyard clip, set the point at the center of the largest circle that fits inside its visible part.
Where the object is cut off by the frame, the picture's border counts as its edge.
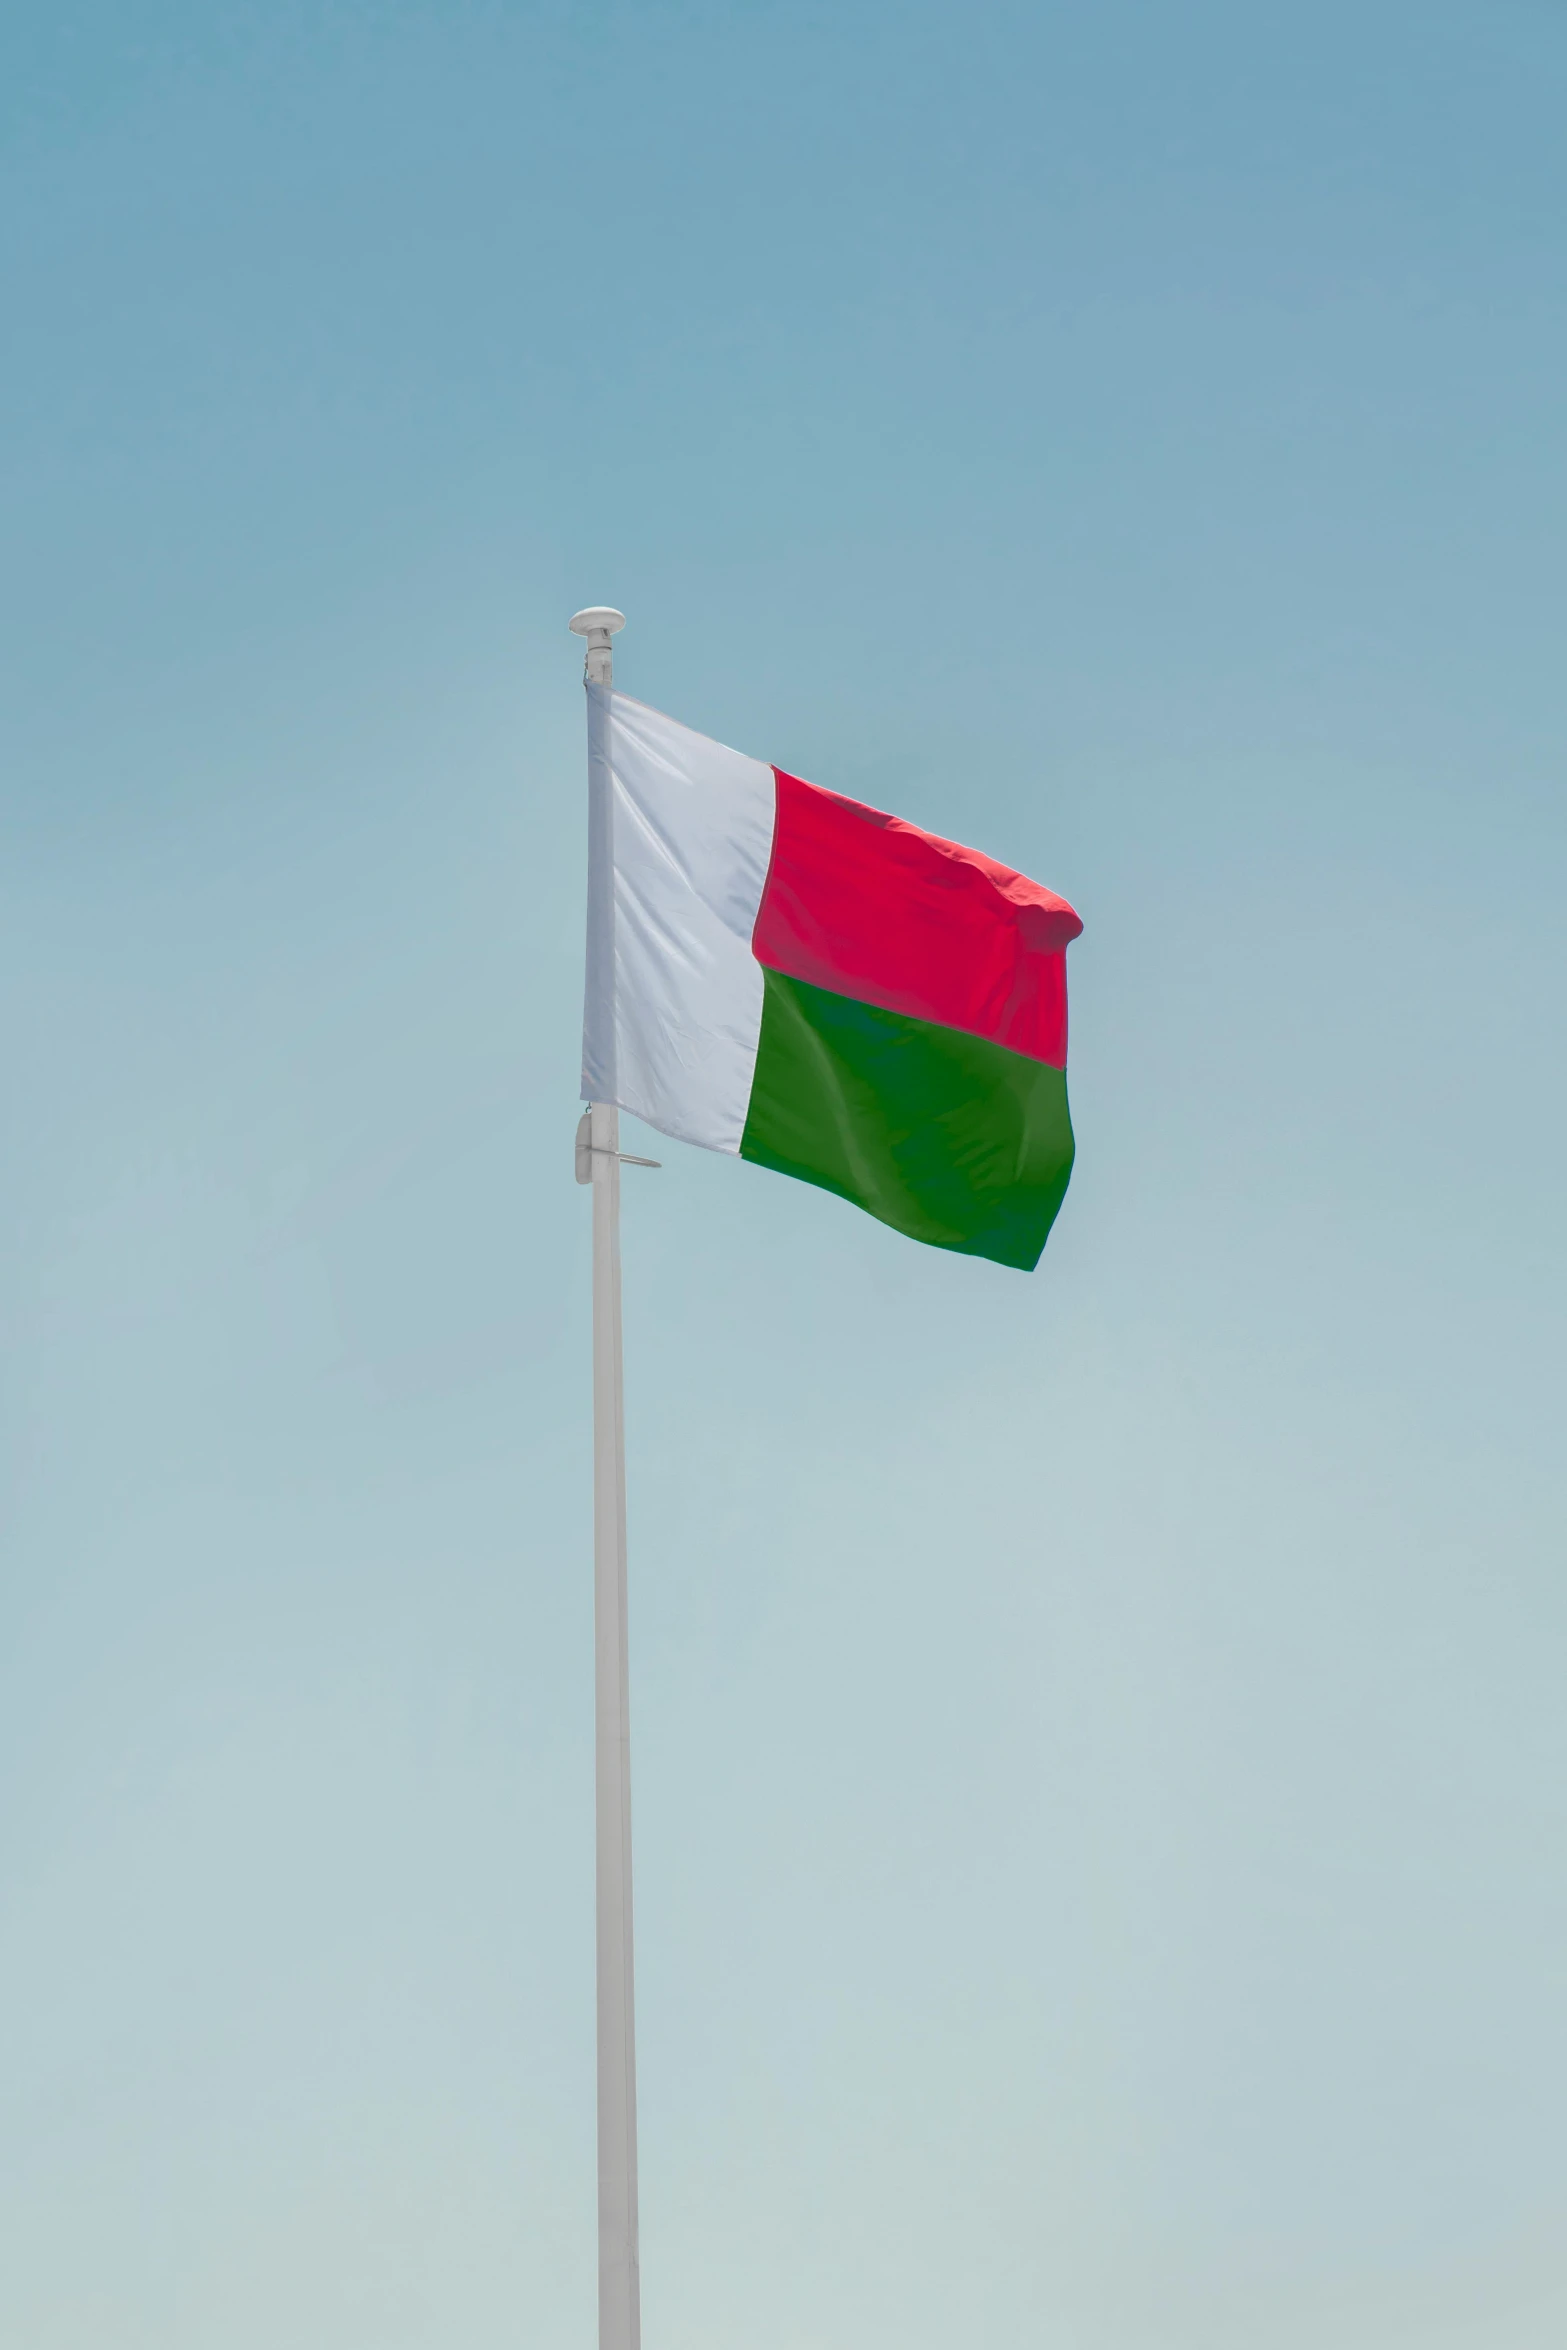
(588, 1151)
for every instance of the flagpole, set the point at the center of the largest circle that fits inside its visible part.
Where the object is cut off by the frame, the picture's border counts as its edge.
(620, 2298)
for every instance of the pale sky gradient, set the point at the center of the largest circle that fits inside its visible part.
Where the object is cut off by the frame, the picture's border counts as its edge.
(1101, 1759)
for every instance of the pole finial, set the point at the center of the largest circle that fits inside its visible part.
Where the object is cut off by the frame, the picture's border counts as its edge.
(598, 623)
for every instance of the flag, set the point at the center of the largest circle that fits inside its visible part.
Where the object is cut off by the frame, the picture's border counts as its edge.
(782, 973)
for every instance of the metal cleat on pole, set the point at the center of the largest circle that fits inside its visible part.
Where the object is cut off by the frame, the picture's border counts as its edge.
(586, 1148)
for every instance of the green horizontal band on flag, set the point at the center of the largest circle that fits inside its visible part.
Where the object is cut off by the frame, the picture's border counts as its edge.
(946, 1136)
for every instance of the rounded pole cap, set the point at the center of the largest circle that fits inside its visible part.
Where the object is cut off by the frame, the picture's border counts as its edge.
(597, 616)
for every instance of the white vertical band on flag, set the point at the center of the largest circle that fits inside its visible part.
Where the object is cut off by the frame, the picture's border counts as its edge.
(680, 833)
(598, 1009)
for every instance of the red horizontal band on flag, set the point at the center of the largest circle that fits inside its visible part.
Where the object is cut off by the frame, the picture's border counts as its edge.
(868, 906)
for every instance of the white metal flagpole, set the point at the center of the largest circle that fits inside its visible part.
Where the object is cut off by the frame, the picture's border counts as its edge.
(620, 2298)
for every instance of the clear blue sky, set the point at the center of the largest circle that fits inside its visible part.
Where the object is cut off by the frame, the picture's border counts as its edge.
(1101, 1765)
